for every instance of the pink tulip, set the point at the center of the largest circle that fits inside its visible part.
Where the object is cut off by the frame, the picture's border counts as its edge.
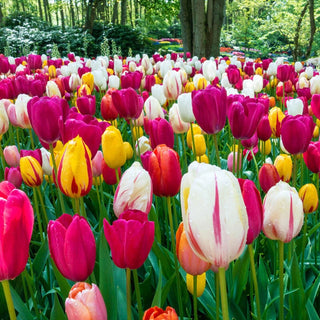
(130, 238)
(72, 246)
(13, 175)
(16, 225)
(85, 302)
(284, 72)
(11, 155)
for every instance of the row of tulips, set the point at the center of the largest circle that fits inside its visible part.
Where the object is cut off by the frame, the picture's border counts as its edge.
(153, 177)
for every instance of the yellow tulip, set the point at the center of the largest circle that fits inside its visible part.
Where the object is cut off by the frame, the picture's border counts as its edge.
(267, 147)
(200, 145)
(158, 79)
(259, 71)
(74, 168)
(189, 87)
(84, 90)
(196, 130)
(52, 72)
(114, 153)
(316, 132)
(275, 118)
(128, 149)
(137, 132)
(283, 164)
(204, 158)
(309, 196)
(201, 283)
(88, 79)
(31, 171)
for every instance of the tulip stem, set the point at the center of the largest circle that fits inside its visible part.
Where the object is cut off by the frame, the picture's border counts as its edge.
(255, 281)
(138, 295)
(117, 175)
(55, 173)
(36, 208)
(173, 246)
(133, 139)
(281, 285)
(82, 208)
(256, 166)
(31, 138)
(128, 274)
(215, 140)
(8, 296)
(193, 143)
(184, 152)
(3, 162)
(216, 278)
(223, 291)
(42, 207)
(304, 243)
(195, 298)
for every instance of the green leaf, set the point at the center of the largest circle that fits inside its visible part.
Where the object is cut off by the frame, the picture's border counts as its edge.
(20, 306)
(153, 217)
(313, 290)
(106, 278)
(157, 296)
(262, 283)
(57, 312)
(312, 311)
(62, 282)
(41, 258)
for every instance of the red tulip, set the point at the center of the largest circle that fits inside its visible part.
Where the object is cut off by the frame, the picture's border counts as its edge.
(268, 176)
(130, 238)
(252, 200)
(16, 225)
(108, 110)
(72, 246)
(210, 108)
(315, 105)
(109, 174)
(296, 133)
(164, 169)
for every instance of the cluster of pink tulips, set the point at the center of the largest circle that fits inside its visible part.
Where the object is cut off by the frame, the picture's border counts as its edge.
(154, 188)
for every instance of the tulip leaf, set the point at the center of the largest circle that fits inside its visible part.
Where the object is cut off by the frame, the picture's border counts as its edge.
(157, 296)
(262, 283)
(166, 289)
(235, 311)
(41, 258)
(208, 303)
(62, 281)
(20, 306)
(153, 217)
(313, 290)
(312, 311)
(240, 273)
(106, 278)
(297, 299)
(57, 312)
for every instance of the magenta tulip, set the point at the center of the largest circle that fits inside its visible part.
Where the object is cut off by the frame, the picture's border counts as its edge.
(131, 79)
(72, 246)
(315, 105)
(311, 157)
(296, 133)
(264, 130)
(130, 238)
(13, 175)
(252, 200)
(210, 109)
(284, 72)
(16, 225)
(87, 104)
(233, 74)
(44, 114)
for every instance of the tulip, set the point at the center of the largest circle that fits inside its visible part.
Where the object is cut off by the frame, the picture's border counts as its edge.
(18, 113)
(311, 157)
(46, 165)
(257, 83)
(285, 224)
(209, 69)
(44, 114)
(12, 156)
(100, 79)
(172, 85)
(16, 225)
(196, 130)
(156, 313)
(88, 79)
(31, 171)
(283, 164)
(4, 120)
(157, 91)
(264, 130)
(201, 283)
(284, 71)
(53, 89)
(315, 85)
(199, 81)
(131, 79)
(152, 108)
(85, 302)
(112, 147)
(109, 175)
(309, 195)
(130, 238)
(199, 144)
(134, 191)
(275, 118)
(72, 246)
(178, 125)
(209, 108)
(13, 175)
(164, 169)
(74, 81)
(114, 82)
(315, 105)
(185, 107)
(34, 61)
(108, 110)
(214, 214)
(128, 103)
(295, 107)
(189, 261)
(86, 104)
(233, 74)
(297, 143)
(74, 168)
(268, 176)
(128, 150)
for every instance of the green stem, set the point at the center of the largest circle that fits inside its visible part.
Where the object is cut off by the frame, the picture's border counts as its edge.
(223, 291)
(304, 242)
(216, 278)
(215, 140)
(55, 173)
(256, 165)
(43, 208)
(31, 138)
(138, 295)
(77, 205)
(281, 285)
(133, 139)
(83, 212)
(185, 166)
(30, 288)
(195, 298)
(117, 175)
(316, 234)
(128, 274)
(36, 208)
(193, 143)
(173, 244)
(7, 294)
(255, 281)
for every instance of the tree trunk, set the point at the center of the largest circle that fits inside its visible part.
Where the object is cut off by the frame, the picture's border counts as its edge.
(1, 16)
(62, 17)
(297, 33)
(312, 27)
(136, 10)
(115, 12)
(123, 12)
(40, 9)
(186, 25)
(199, 27)
(72, 13)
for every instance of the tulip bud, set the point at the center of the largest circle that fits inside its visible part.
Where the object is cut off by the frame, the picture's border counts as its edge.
(72, 246)
(265, 147)
(31, 171)
(85, 302)
(172, 85)
(12, 156)
(196, 130)
(13, 175)
(88, 79)
(309, 196)
(286, 223)
(178, 125)
(185, 107)
(201, 283)
(112, 147)
(268, 176)
(311, 157)
(156, 313)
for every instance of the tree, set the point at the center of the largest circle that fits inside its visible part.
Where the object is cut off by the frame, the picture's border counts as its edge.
(201, 23)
